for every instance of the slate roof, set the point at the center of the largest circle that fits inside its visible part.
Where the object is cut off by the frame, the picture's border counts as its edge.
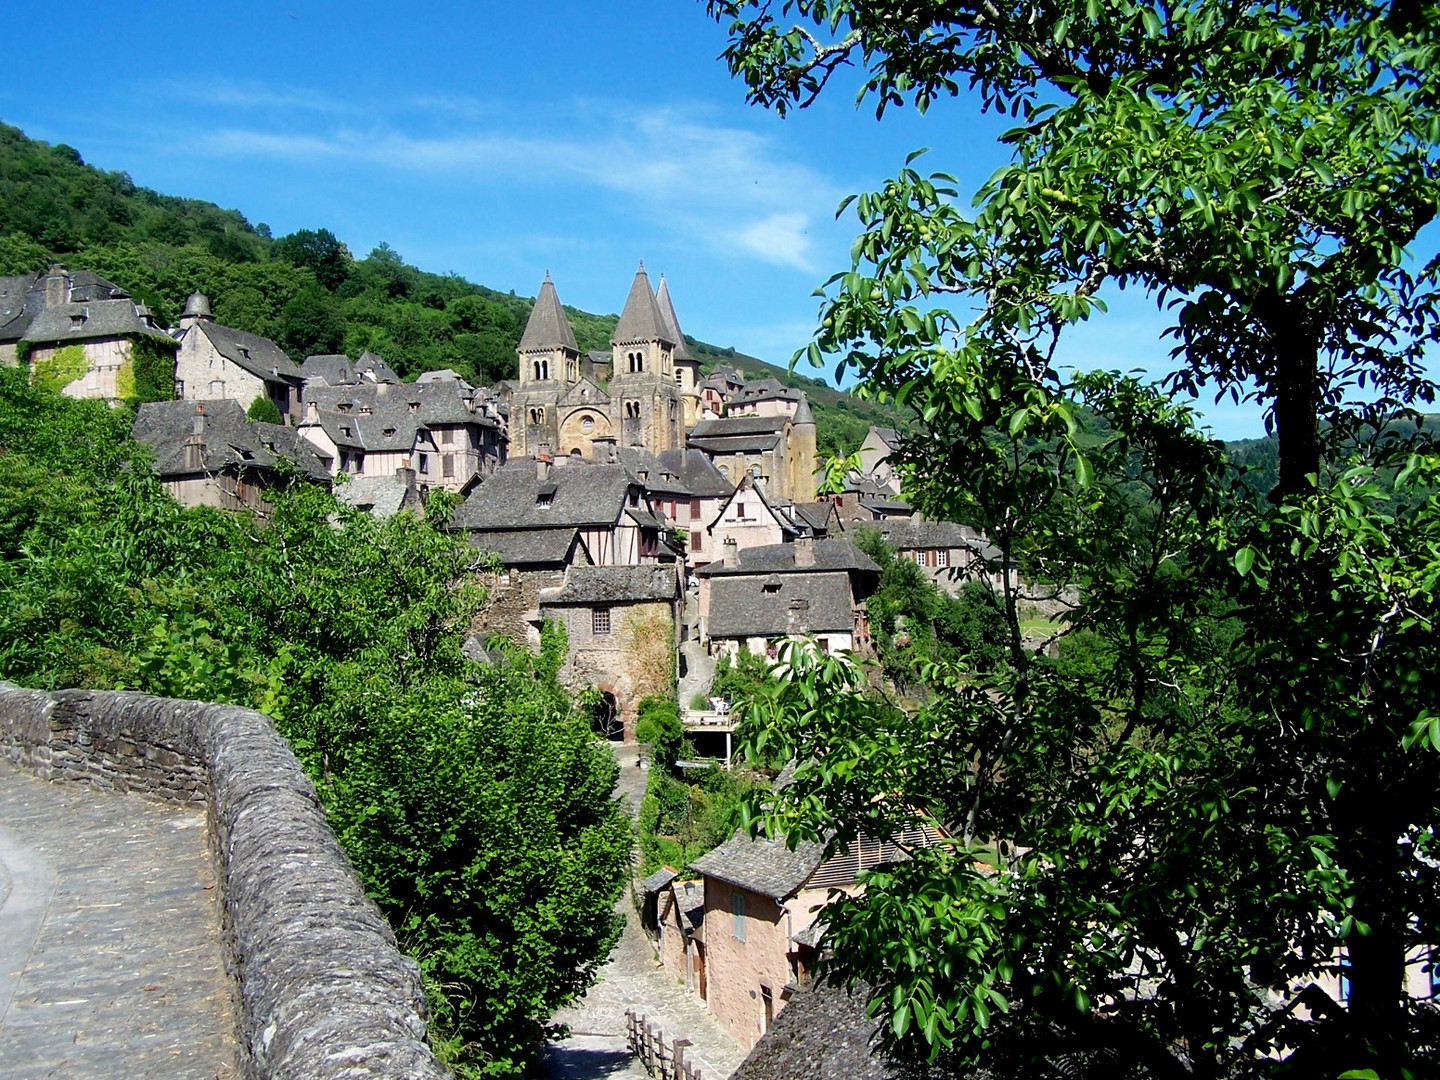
(230, 440)
(730, 426)
(258, 355)
(585, 494)
(531, 547)
(672, 322)
(615, 585)
(371, 366)
(752, 606)
(380, 415)
(547, 327)
(817, 515)
(381, 496)
(761, 865)
(830, 555)
(697, 474)
(768, 389)
(803, 414)
(96, 319)
(335, 368)
(821, 1034)
(658, 880)
(690, 899)
(15, 312)
(641, 319)
(735, 443)
(907, 534)
(887, 435)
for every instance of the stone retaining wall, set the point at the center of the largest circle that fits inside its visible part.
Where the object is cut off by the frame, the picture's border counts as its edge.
(322, 990)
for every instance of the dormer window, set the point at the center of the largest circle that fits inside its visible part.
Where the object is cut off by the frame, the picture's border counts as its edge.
(545, 497)
(344, 406)
(389, 431)
(77, 321)
(414, 406)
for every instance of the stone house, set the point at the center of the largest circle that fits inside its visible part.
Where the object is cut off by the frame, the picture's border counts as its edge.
(208, 454)
(749, 599)
(59, 309)
(949, 554)
(765, 397)
(823, 1034)
(679, 916)
(867, 500)
(337, 369)
(217, 361)
(776, 451)
(686, 490)
(620, 621)
(604, 502)
(747, 520)
(758, 930)
(382, 496)
(439, 427)
(528, 561)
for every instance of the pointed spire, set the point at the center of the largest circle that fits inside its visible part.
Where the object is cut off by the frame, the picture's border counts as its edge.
(672, 323)
(641, 320)
(548, 327)
(803, 415)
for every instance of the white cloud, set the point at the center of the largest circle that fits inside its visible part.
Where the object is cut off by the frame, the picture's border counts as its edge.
(723, 188)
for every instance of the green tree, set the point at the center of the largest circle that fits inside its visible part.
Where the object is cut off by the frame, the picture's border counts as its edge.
(1235, 792)
(263, 410)
(312, 323)
(318, 250)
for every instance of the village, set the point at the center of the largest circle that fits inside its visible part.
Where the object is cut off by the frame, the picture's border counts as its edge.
(667, 518)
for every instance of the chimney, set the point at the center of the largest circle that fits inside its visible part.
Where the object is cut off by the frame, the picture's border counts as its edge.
(542, 462)
(798, 617)
(732, 552)
(804, 551)
(312, 412)
(195, 445)
(406, 475)
(57, 286)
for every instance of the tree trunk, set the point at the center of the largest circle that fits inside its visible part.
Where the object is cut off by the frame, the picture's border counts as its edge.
(1296, 387)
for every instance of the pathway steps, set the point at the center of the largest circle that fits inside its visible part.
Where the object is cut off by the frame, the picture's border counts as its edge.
(111, 962)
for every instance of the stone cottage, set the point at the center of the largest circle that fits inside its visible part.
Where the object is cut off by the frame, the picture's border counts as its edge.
(620, 621)
(62, 311)
(208, 454)
(217, 361)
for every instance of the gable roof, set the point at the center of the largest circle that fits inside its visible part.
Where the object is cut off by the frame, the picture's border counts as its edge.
(547, 327)
(585, 391)
(258, 355)
(647, 583)
(334, 368)
(230, 440)
(697, 473)
(672, 322)
(16, 304)
(830, 555)
(730, 426)
(88, 320)
(761, 865)
(906, 534)
(748, 489)
(533, 547)
(641, 319)
(381, 496)
(777, 605)
(583, 494)
(371, 366)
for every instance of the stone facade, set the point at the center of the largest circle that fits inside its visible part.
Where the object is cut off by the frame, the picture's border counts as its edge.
(322, 992)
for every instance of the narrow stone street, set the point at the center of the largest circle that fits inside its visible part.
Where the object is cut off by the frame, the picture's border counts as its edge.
(633, 979)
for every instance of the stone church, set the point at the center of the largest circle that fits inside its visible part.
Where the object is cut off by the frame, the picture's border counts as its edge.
(562, 403)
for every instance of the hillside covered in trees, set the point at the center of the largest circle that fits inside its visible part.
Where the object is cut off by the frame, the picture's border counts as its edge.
(306, 290)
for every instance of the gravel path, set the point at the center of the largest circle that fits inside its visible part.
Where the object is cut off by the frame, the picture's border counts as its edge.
(110, 955)
(634, 979)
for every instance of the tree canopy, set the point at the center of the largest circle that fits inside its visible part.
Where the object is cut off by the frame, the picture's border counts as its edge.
(1173, 839)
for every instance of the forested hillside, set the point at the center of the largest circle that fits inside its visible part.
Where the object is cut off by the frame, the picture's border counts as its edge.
(305, 290)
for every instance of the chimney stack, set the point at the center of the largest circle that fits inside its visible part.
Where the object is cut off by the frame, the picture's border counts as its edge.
(804, 551)
(798, 617)
(57, 286)
(542, 462)
(731, 557)
(195, 445)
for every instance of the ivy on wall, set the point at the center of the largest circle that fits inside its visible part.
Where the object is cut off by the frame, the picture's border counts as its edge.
(152, 364)
(60, 368)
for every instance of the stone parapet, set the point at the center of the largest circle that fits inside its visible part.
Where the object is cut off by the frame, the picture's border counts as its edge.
(322, 991)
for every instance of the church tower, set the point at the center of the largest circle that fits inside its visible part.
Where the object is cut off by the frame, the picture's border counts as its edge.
(687, 368)
(645, 400)
(549, 362)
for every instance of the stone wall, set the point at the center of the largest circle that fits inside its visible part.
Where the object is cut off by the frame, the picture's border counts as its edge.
(321, 989)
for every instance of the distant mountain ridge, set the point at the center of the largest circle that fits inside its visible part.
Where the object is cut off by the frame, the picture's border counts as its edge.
(306, 290)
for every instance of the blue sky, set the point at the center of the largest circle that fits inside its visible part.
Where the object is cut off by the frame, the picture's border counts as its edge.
(500, 140)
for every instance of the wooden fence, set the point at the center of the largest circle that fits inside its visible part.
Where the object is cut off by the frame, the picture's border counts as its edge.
(647, 1042)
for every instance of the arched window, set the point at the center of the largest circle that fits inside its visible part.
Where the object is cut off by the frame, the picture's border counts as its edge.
(632, 409)
(537, 416)
(537, 370)
(544, 369)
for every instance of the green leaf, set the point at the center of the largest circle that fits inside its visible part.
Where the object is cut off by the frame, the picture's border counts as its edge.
(1244, 559)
